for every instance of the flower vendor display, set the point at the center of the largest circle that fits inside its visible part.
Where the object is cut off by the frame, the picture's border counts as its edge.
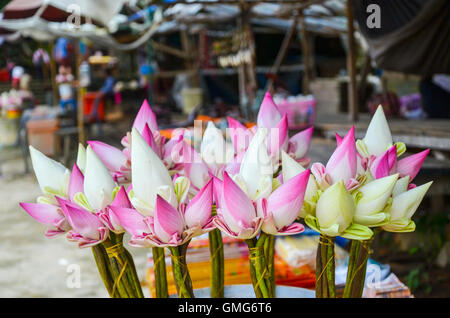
(253, 185)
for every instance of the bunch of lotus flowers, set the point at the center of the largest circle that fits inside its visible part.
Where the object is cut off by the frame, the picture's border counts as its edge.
(252, 186)
(364, 188)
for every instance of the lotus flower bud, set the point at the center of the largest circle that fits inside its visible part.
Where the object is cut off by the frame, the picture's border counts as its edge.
(53, 177)
(98, 182)
(405, 204)
(335, 210)
(81, 158)
(374, 197)
(291, 168)
(149, 177)
(400, 186)
(378, 136)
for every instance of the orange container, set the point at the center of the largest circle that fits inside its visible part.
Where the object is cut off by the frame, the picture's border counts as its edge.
(88, 104)
(41, 135)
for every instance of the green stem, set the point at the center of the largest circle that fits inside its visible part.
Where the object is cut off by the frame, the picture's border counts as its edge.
(257, 260)
(325, 268)
(251, 244)
(269, 252)
(123, 267)
(181, 272)
(354, 250)
(102, 262)
(159, 268)
(217, 264)
(331, 271)
(356, 275)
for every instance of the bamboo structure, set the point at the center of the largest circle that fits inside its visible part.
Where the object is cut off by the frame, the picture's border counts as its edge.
(351, 65)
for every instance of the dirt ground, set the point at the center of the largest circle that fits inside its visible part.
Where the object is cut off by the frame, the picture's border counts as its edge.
(32, 265)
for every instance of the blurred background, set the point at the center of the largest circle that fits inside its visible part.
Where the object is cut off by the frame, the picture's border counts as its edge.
(72, 71)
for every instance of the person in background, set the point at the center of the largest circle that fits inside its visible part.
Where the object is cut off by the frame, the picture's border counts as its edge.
(65, 82)
(435, 93)
(107, 91)
(16, 74)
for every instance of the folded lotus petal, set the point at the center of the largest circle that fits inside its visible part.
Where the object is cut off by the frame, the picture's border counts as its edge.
(361, 162)
(81, 157)
(51, 175)
(379, 168)
(76, 183)
(239, 135)
(217, 191)
(145, 241)
(294, 228)
(235, 165)
(300, 142)
(131, 220)
(375, 195)
(193, 166)
(392, 156)
(171, 149)
(121, 199)
(198, 210)
(237, 209)
(83, 242)
(256, 164)
(145, 116)
(338, 139)
(292, 168)
(287, 200)
(98, 182)
(405, 204)
(147, 134)
(342, 163)
(321, 175)
(277, 137)
(111, 157)
(182, 185)
(378, 136)
(148, 171)
(401, 186)
(411, 165)
(82, 222)
(46, 214)
(269, 115)
(372, 220)
(352, 184)
(243, 233)
(169, 224)
(51, 233)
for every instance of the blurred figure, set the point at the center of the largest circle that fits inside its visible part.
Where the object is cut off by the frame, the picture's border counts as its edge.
(107, 91)
(435, 93)
(65, 82)
(16, 74)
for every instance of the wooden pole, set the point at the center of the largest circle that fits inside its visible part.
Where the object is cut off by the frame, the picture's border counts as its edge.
(306, 56)
(365, 70)
(351, 65)
(80, 115)
(251, 83)
(53, 76)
